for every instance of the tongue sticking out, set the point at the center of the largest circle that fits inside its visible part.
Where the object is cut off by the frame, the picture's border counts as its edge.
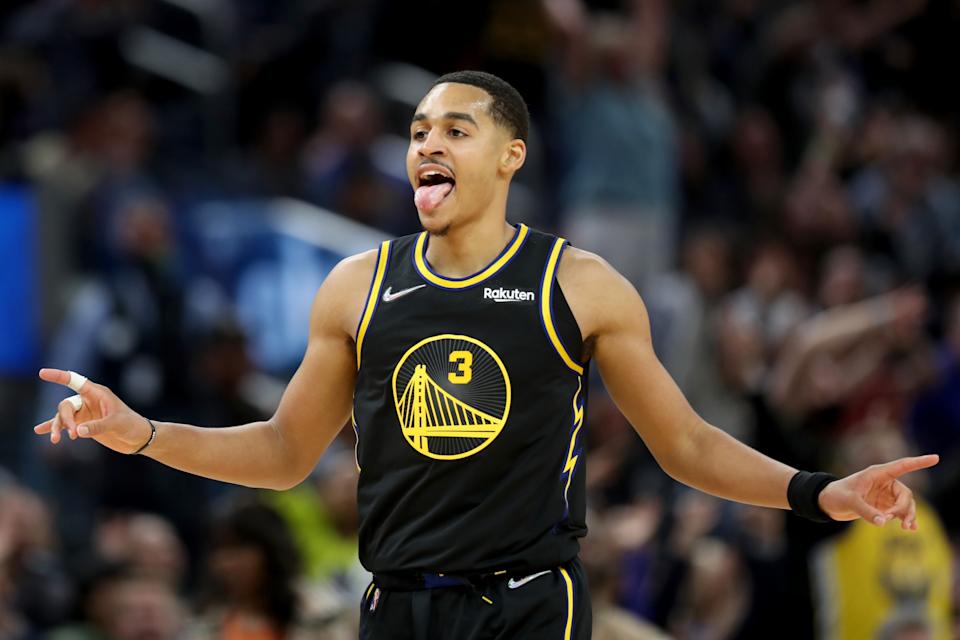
(428, 198)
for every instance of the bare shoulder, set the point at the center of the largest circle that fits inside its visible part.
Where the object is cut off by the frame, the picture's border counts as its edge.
(341, 297)
(598, 294)
(583, 268)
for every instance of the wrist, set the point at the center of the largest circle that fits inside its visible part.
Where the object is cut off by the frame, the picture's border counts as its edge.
(150, 440)
(803, 495)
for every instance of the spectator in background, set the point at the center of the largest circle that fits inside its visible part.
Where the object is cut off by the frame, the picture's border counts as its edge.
(715, 597)
(816, 211)
(843, 277)
(103, 150)
(908, 205)
(621, 187)
(132, 326)
(34, 589)
(834, 354)
(116, 603)
(95, 582)
(868, 579)
(271, 165)
(684, 307)
(910, 625)
(691, 518)
(761, 538)
(146, 544)
(758, 316)
(144, 608)
(322, 515)
(12, 623)
(254, 590)
(227, 388)
(935, 417)
(758, 173)
(345, 169)
(601, 560)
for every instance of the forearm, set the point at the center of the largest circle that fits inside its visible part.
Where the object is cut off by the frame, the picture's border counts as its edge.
(830, 332)
(838, 328)
(716, 463)
(252, 455)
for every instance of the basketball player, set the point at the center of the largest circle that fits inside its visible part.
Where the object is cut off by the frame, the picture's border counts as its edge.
(460, 355)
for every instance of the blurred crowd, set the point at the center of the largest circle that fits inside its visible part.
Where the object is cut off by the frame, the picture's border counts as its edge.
(778, 178)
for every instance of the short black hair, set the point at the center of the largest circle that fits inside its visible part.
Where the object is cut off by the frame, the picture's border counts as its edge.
(508, 108)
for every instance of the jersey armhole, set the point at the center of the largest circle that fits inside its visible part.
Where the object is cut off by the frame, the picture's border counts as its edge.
(373, 295)
(546, 306)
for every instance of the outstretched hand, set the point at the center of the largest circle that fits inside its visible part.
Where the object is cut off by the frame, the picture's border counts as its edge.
(102, 416)
(876, 493)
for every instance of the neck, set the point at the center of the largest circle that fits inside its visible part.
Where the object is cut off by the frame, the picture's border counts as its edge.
(468, 248)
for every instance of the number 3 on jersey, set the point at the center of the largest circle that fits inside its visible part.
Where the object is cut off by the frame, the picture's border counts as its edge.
(464, 373)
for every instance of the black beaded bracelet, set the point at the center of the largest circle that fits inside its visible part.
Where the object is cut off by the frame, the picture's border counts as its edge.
(153, 436)
(803, 493)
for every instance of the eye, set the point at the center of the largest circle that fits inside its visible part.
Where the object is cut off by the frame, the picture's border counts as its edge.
(419, 134)
(458, 133)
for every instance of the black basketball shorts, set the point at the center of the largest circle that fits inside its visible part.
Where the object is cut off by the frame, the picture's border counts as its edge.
(544, 605)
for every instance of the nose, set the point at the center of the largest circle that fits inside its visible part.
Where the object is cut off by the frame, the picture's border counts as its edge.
(432, 145)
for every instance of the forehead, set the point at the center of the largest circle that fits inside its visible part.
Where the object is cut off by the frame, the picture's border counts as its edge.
(455, 97)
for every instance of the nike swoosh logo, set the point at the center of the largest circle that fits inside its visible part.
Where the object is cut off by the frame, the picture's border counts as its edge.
(515, 584)
(389, 295)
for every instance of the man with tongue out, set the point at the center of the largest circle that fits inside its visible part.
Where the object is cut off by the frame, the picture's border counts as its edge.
(468, 404)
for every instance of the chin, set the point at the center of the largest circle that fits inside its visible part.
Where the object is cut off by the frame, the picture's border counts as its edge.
(438, 230)
(435, 224)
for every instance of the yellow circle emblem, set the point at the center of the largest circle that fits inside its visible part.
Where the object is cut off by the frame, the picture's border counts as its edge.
(452, 395)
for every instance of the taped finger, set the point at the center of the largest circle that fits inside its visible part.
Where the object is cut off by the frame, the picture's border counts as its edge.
(76, 381)
(76, 401)
(66, 413)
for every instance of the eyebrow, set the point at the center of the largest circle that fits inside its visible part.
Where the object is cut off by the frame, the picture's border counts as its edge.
(449, 115)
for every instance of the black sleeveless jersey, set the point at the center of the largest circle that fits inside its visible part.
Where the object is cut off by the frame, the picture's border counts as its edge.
(469, 410)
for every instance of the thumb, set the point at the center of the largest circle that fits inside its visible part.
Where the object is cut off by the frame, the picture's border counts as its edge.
(93, 428)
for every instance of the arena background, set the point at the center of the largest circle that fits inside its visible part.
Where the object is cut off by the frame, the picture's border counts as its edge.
(778, 178)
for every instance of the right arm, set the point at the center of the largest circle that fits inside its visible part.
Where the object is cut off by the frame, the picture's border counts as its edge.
(851, 338)
(277, 453)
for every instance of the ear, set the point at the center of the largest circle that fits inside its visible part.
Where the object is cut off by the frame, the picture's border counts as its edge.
(513, 156)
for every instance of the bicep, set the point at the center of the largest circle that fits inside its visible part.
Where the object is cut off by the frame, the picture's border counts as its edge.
(637, 381)
(317, 402)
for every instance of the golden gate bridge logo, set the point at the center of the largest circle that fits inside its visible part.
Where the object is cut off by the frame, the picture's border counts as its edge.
(452, 395)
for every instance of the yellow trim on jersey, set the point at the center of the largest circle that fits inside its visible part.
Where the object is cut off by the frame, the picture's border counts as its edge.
(546, 306)
(373, 295)
(366, 596)
(569, 628)
(571, 463)
(423, 268)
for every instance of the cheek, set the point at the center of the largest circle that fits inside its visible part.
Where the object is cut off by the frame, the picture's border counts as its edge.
(411, 164)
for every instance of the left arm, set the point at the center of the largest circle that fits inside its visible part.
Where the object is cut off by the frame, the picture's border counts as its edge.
(614, 322)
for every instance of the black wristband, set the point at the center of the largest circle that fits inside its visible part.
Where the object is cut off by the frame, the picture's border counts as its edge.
(153, 436)
(803, 493)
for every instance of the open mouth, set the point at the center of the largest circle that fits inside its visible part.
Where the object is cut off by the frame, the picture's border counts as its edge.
(434, 187)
